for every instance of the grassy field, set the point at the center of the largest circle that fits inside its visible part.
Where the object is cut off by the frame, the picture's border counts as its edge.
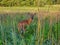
(30, 9)
(49, 32)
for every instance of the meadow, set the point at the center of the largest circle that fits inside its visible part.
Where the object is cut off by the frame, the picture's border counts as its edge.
(47, 33)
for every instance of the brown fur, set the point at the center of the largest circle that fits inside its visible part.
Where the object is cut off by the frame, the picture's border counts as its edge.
(23, 23)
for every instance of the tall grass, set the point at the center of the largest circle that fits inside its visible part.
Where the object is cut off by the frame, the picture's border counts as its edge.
(42, 31)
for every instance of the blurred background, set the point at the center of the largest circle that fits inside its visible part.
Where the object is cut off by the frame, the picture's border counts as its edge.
(43, 30)
(32, 3)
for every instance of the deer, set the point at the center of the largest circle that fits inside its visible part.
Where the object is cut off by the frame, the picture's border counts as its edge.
(21, 24)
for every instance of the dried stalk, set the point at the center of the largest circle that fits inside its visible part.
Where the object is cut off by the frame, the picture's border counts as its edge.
(38, 29)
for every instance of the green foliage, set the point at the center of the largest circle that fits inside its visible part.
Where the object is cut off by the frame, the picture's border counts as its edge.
(9, 32)
(46, 31)
(11, 3)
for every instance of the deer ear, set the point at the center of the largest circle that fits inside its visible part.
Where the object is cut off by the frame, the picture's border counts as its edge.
(28, 13)
(34, 13)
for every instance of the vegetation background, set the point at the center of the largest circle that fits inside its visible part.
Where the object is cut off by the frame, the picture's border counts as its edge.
(44, 30)
(33, 3)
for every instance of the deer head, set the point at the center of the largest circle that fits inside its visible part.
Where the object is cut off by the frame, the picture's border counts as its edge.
(31, 15)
